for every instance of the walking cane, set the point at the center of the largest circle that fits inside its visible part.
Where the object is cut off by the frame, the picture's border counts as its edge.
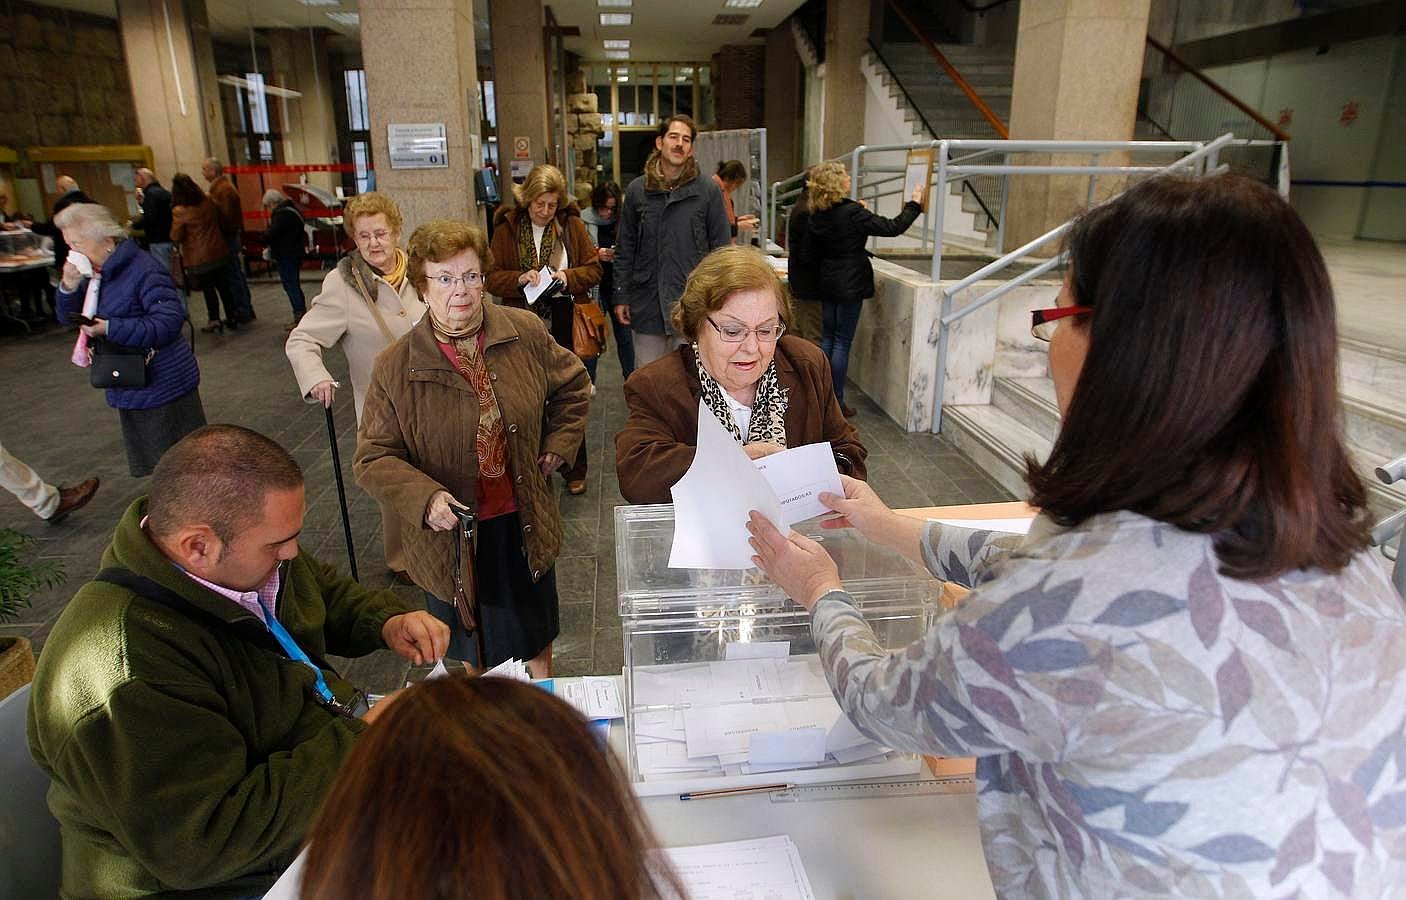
(467, 600)
(341, 491)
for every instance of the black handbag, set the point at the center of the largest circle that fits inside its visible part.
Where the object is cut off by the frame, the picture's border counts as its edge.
(117, 366)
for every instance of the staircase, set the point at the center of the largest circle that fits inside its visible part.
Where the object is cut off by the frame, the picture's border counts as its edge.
(1023, 418)
(935, 108)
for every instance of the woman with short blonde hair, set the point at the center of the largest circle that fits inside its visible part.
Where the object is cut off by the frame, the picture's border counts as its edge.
(545, 230)
(365, 304)
(769, 390)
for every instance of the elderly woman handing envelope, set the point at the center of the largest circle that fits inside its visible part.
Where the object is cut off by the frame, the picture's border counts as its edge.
(768, 390)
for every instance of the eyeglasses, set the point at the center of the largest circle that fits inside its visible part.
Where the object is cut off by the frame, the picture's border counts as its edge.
(732, 333)
(468, 279)
(368, 235)
(1043, 322)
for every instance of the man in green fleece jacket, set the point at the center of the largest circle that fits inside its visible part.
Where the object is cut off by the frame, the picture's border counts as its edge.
(186, 714)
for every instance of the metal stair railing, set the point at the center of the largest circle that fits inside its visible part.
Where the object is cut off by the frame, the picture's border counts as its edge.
(1202, 160)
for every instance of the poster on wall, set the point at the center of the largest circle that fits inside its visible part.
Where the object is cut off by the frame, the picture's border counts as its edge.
(918, 172)
(418, 146)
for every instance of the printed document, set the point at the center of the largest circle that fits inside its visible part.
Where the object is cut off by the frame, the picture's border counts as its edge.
(544, 280)
(760, 869)
(799, 476)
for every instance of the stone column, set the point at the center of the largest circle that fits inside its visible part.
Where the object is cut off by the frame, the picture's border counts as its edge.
(308, 122)
(520, 82)
(846, 28)
(420, 67)
(1077, 68)
(171, 107)
(782, 112)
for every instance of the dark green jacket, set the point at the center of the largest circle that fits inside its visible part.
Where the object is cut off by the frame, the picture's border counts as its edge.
(183, 756)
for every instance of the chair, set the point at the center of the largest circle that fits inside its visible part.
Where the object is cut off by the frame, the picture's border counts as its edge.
(29, 835)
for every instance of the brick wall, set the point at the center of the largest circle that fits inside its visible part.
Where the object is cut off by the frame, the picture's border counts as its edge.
(740, 85)
(65, 79)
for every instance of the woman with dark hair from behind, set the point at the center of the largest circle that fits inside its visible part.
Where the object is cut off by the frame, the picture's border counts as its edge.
(486, 788)
(1189, 677)
(195, 228)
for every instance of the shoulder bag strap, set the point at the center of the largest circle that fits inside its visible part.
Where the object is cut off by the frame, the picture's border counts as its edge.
(370, 298)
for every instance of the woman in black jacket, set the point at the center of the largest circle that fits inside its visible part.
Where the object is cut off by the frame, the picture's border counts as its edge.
(839, 228)
(287, 241)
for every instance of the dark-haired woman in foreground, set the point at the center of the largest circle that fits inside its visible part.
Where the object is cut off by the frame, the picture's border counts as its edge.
(486, 788)
(1189, 679)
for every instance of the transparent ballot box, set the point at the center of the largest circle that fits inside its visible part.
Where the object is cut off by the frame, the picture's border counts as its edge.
(23, 249)
(723, 687)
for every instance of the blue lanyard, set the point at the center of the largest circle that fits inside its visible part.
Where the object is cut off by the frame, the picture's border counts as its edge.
(294, 652)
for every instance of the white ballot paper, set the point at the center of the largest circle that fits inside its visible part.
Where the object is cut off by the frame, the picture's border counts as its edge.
(715, 495)
(595, 696)
(712, 500)
(799, 476)
(1011, 526)
(532, 292)
(767, 868)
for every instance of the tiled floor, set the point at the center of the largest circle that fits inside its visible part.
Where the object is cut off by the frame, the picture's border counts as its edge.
(60, 425)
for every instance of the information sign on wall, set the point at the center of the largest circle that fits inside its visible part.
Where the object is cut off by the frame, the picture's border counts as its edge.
(420, 146)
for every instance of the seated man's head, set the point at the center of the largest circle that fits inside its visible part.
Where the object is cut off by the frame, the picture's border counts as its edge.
(226, 504)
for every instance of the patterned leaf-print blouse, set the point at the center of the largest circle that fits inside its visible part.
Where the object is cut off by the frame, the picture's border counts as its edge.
(1145, 726)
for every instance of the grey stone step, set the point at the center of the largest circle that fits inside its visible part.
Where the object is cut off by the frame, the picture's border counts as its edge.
(1030, 404)
(995, 441)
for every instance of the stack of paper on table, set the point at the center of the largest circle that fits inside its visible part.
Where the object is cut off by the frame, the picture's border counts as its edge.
(740, 717)
(767, 868)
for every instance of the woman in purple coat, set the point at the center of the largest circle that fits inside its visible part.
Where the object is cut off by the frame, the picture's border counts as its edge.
(131, 301)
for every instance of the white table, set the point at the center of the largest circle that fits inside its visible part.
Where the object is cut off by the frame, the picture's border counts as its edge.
(890, 848)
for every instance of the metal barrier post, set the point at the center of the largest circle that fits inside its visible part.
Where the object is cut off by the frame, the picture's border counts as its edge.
(940, 213)
(1005, 207)
(1093, 179)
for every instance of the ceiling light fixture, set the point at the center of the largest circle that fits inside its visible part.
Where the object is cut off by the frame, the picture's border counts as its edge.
(345, 18)
(320, 2)
(743, 4)
(617, 54)
(616, 18)
(617, 45)
(619, 4)
(271, 89)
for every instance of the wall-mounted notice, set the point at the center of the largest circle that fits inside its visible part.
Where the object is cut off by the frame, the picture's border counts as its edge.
(421, 146)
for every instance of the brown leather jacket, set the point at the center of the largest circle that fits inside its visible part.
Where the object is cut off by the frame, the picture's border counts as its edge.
(582, 261)
(655, 447)
(197, 230)
(419, 429)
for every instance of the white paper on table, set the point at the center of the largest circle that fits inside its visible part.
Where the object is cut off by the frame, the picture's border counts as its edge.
(595, 697)
(713, 499)
(1011, 526)
(659, 725)
(799, 476)
(533, 291)
(439, 671)
(865, 751)
(760, 869)
(843, 735)
(795, 745)
(515, 669)
(289, 885)
(757, 650)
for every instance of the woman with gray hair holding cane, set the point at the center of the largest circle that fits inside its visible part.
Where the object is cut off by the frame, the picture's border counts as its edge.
(129, 315)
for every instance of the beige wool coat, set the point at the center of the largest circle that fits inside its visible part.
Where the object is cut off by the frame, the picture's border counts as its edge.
(419, 435)
(341, 313)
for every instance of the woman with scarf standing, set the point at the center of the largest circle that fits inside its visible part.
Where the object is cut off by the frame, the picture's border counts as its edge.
(544, 229)
(771, 392)
(475, 375)
(365, 304)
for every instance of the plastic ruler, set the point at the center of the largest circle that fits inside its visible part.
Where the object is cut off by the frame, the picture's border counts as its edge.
(863, 790)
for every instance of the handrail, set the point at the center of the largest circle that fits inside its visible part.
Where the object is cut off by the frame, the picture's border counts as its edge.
(1279, 133)
(951, 71)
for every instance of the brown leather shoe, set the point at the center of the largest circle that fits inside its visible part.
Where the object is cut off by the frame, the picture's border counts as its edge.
(849, 411)
(576, 487)
(71, 498)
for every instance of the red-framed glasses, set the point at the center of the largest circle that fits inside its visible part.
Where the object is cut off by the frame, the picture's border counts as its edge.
(1043, 322)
